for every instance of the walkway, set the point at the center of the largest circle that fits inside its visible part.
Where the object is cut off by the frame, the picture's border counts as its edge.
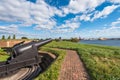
(73, 68)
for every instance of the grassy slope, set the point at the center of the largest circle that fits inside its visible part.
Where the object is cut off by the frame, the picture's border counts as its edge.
(52, 72)
(3, 55)
(102, 62)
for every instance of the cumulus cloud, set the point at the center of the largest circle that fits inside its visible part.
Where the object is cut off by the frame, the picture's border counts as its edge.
(77, 6)
(26, 12)
(116, 24)
(11, 29)
(114, 1)
(69, 25)
(85, 17)
(87, 8)
(111, 31)
(13, 11)
(49, 24)
(105, 12)
(42, 15)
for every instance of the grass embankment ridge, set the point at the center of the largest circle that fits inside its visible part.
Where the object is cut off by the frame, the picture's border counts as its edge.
(102, 62)
(52, 72)
(3, 55)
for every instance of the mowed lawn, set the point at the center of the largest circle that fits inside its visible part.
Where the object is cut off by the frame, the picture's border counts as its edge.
(101, 62)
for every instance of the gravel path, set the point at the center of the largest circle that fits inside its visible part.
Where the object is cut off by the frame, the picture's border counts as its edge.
(73, 68)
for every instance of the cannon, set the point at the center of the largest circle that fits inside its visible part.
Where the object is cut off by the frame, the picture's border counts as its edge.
(26, 51)
(23, 55)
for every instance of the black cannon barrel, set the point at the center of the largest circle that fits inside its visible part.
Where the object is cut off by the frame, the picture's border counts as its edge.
(28, 46)
(38, 44)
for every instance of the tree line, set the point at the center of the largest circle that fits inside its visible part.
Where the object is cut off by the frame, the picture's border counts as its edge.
(9, 37)
(71, 39)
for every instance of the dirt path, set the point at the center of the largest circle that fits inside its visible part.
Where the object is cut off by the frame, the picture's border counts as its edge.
(73, 68)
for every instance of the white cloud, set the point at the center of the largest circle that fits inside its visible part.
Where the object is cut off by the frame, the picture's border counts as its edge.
(28, 13)
(13, 11)
(68, 26)
(116, 24)
(11, 29)
(118, 19)
(85, 17)
(77, 6)
(41, 14)
(114, 1)
(87, 7)
(112, 31)
(105, 12)
(91, 16)
(105, 32)
(46, 25)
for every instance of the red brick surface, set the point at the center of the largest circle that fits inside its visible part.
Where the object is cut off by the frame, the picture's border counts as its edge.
(11, 42)
(73, 68)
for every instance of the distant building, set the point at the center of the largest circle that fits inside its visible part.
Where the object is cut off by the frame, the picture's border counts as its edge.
(102, 38)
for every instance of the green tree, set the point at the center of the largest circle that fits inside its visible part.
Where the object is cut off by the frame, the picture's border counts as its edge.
(3, 37)
(74, 40)
(9, 37)
(14, 37)
(24, 38)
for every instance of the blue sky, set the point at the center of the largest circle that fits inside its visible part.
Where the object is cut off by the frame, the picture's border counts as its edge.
(60, 18)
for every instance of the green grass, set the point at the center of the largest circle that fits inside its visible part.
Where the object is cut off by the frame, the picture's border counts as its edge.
(52, 72)
(101, 62)
(3, 55)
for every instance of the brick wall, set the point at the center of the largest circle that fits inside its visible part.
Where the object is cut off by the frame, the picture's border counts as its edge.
(10, 43)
